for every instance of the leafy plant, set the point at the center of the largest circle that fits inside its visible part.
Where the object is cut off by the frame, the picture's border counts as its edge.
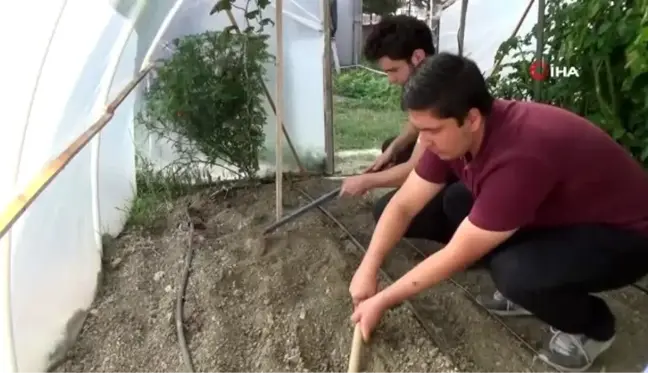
(371, 88)
(606, 41)
(206, 99)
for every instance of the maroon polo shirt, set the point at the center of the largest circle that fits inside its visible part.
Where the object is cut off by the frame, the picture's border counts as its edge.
(540, 165)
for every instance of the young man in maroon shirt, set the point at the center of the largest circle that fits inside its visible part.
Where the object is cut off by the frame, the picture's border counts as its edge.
(557, 210)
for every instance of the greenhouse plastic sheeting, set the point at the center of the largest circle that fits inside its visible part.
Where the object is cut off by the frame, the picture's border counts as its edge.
(488, 24)
(74, 57)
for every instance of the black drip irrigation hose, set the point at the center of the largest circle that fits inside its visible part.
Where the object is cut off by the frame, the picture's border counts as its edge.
(180, 298)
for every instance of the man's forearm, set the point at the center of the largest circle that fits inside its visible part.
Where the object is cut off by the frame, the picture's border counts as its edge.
(468, 244)
(436, 268)
(410, 199)
(390, 229)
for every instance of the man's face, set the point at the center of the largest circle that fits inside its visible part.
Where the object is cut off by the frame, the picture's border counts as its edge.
(398, 71)
(446, 137)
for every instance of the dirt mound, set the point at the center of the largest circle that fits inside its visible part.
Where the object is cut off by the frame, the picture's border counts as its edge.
(252, 304)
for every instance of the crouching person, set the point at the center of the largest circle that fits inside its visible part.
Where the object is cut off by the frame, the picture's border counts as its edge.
(557, 210)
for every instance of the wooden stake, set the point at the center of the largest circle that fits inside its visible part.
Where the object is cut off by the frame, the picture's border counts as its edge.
(327, 61)
(356, 348)
(280, 109)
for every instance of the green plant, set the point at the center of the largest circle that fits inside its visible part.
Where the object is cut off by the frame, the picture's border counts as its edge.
(606, 42)
(156, 190)
(206, 99)
(371, 88)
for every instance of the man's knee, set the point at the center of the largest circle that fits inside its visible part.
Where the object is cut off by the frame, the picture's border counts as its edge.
(457, 202)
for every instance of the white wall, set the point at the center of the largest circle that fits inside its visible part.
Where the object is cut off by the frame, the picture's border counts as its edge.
(74, 57)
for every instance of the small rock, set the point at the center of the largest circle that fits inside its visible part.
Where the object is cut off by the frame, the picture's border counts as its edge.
(302, 314)
(168, 288)
(237, 292)
(94, 312)
(115, 262)
(266, 301)
(158, 276)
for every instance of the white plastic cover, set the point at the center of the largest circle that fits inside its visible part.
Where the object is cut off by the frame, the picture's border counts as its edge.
(72, 57)
(488, 24)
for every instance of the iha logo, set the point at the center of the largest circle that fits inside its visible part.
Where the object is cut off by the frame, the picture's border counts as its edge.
(541, 70)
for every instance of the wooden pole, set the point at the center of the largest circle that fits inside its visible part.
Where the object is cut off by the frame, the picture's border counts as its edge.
(280, 110)
(356, 348)
(266, 92)
(462, 27)
(328, 89)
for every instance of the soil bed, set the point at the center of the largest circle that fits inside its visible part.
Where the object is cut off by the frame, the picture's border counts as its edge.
(252, 304)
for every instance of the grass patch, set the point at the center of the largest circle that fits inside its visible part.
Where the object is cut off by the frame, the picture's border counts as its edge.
(156, 191)
(366, 109)
(359, 126)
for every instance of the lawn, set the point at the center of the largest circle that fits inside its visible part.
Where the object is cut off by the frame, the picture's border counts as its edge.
(359, 126)
(366, 110)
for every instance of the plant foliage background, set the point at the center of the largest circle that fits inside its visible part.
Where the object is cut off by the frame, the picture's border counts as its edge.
(607, 41)
(207, 98)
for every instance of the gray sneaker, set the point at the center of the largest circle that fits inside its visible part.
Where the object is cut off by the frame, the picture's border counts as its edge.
(572, 352)
(501, 306)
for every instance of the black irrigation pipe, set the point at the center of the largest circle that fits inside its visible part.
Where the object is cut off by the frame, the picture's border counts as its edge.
(180, 298)
(418, 317)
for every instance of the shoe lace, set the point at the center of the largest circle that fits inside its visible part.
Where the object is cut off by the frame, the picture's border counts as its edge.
(567, 344)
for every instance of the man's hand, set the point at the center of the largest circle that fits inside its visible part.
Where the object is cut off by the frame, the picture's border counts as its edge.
(367, 315)
(364, 284)
(356, 185)
(383, 161)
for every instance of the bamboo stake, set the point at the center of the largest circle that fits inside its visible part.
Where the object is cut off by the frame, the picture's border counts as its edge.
(280, 109)
(300, 165)
(35, 187)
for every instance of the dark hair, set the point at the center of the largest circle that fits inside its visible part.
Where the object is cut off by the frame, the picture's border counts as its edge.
(397, 37)
(449, 86)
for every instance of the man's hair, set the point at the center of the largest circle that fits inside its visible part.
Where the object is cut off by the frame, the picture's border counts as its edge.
(397, 37)
(447, 85)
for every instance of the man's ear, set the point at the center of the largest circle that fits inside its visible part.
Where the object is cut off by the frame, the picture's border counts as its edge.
(417, 56)
(474, 119)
